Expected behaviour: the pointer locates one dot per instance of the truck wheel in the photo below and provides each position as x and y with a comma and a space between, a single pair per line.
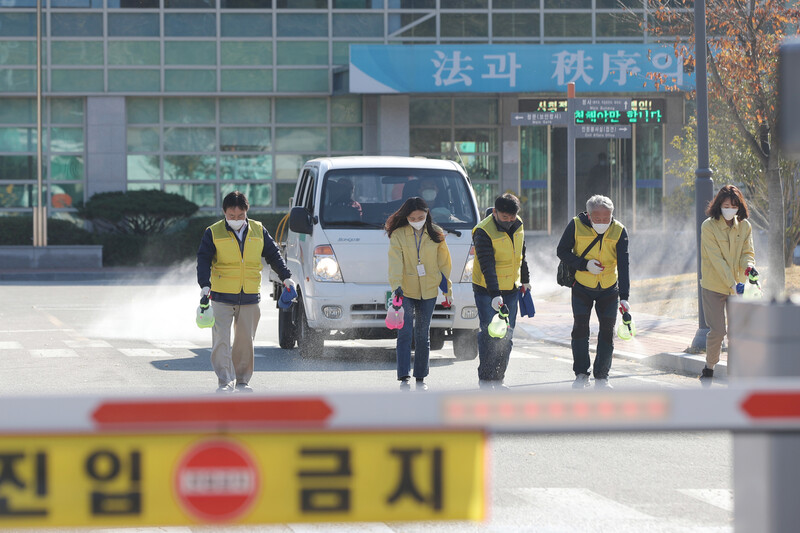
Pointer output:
309, 341
465, 344
437, 339
287, 331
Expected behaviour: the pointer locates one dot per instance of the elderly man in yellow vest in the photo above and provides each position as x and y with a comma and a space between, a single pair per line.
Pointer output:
595, 245
499, 273
229, 272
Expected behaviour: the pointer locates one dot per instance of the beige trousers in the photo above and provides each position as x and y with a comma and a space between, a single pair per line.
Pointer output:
234, 363
714, 311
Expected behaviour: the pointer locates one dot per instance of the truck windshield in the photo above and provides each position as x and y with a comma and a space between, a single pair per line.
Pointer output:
364, 198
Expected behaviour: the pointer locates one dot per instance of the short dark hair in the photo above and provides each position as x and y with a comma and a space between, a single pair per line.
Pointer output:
507, 203
732, 192
235, 199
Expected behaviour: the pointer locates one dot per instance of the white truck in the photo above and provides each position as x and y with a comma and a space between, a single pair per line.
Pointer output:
337, 250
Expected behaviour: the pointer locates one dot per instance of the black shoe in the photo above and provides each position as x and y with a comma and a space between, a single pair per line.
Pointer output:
421, 384
404, 383
707, 373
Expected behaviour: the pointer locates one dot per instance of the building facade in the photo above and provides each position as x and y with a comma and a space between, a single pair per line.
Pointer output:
201, 97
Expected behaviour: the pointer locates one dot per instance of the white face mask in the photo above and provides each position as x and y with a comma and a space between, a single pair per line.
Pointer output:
236, 225
429, 195
417, 225
729, 212
600, 228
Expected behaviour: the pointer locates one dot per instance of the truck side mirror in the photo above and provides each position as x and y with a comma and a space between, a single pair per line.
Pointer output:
300, 220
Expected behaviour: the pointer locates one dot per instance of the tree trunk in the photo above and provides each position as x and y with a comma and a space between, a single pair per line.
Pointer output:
776, 279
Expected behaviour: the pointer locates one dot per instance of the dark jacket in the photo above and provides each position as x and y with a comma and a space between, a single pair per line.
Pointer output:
484, 251
206, 253
567, 244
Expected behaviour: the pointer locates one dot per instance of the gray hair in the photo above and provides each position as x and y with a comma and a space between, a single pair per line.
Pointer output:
598, 200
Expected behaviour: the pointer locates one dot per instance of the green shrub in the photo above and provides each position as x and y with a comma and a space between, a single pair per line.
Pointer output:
18, 230
148, 212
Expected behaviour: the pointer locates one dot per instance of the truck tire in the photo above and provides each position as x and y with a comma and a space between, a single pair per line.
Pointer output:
437, 339
309, 341
465, 344
287, 330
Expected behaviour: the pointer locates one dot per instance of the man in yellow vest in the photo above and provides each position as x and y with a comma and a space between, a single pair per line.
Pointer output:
601, 280
499, 273
229, 273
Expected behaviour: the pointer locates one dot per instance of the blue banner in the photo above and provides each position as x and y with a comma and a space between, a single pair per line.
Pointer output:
482, 68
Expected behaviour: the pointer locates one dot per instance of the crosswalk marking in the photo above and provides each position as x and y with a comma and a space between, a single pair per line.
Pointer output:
722, 498
10, 345
54, 352
146, 352
174, 344
564, 502
87, 343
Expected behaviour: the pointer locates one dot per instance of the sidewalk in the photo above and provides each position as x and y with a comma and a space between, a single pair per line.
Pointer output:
660, 341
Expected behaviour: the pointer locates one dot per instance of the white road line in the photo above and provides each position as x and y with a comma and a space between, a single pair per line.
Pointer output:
564, 501
174, 344
146, 352
722, 498
10, 345
87, 343
54, 352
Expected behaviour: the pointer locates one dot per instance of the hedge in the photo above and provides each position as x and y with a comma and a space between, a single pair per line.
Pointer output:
18, 231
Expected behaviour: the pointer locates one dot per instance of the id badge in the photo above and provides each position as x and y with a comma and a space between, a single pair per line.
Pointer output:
420, 270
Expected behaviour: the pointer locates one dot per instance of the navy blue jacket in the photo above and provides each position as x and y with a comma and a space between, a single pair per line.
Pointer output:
206, 253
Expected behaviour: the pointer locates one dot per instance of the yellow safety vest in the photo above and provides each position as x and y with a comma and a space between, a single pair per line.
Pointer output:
231, 270
607, 254
507, 255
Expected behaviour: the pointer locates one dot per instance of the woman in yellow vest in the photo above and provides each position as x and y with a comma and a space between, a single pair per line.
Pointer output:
602, 281
229, 273
726, 259
418, 262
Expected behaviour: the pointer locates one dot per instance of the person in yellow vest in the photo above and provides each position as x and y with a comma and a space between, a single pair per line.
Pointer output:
602, 281
727, 257
229, 273
499, 273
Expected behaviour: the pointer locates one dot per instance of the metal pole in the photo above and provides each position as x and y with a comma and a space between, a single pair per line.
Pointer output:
39, 218
570, 151
704, 187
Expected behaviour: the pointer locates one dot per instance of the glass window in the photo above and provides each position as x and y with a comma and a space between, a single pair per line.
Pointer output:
517, 4
133, 25
66, 168
18, 139
567, 25
301, 110
567, 4
77, 52
423, 111
18, 52
202, 195
302, 4
421, 28
143, 140
65, 195
66, 110
246, 25
463, 4
302, 52
341, 50
245, 139
66, 139
142, 110
19, 3
283, 192
430, 140
245, 167
301, 25
134, 53
76, 3
190, 53
16, 167
144, 167
257, 194
246, 52
18, 196
132, 186
287, 166
357, 25
357, 4
133, 4
189, 110
18, 24
485, 194
247, 80
477, 140
190, 167
189, 139
303, 81
246, 4
17, 80
464, 25
76, 24
190, 25
617, 4
305, 139
190, 81
475, 111
346, 109
244, 110
190, 4
515, 24
75, 81
18, 111
617, 25
346, 139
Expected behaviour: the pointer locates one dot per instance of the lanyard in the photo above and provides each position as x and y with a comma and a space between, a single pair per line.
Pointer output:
417, 244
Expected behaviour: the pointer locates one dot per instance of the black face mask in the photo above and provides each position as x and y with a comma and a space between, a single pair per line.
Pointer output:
504, 225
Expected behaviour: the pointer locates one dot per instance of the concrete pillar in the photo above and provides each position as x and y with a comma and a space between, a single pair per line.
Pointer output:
371, 109
509, 146
766, 471
106, 168
393, 125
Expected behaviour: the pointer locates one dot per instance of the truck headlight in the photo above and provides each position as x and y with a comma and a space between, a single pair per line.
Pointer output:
466, 276
326, 267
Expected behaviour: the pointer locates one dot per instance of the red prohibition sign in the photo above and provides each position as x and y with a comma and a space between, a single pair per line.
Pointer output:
217, 481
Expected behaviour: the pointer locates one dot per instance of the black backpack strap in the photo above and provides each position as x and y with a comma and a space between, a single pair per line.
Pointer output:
586, 251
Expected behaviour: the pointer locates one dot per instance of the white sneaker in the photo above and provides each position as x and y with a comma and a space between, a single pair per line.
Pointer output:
222, 389
602, 383
581, 381
243, 387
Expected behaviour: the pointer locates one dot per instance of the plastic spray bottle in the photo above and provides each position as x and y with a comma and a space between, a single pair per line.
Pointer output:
395, 314
752, 289
498, 327
205, 313
627, 329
